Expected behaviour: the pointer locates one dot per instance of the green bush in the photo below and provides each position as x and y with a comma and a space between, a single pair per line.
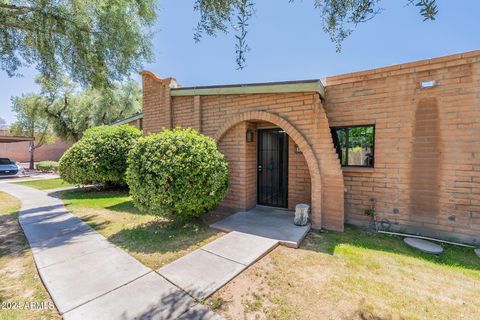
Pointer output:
178, 172
46, 166
100, 156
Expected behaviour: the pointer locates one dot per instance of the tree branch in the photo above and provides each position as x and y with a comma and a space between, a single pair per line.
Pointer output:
42, 138
23, 9
16, 26
46, 13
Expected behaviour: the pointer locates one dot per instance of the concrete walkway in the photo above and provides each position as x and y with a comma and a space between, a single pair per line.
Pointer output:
28, 177
252, 235
268, 222
87, 276
209, 268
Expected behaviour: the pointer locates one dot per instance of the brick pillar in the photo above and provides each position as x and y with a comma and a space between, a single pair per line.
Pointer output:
197, 113
331, 188
157, 109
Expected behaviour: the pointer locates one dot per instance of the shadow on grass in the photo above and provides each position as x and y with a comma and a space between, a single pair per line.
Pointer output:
369, 315
327, 242
111, 199
90, 220
126, 206
163, 235
93, 193
118, 199
158, 236
12, 239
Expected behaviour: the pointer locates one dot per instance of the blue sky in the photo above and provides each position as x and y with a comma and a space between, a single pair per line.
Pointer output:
287, 43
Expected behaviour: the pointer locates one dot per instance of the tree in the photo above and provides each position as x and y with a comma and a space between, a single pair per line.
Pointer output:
71, 111
95, 42
339, 18
31, 122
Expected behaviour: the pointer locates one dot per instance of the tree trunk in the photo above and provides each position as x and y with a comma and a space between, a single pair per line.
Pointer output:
31, 149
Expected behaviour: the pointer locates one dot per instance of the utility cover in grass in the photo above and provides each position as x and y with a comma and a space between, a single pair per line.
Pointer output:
477, 251
424, 245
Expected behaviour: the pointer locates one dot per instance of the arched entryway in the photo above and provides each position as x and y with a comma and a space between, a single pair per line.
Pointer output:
243, 158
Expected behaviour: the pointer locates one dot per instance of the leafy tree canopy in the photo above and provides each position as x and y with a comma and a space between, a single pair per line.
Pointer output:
95, 42
31, 121
71, 111
31, 118
360, 137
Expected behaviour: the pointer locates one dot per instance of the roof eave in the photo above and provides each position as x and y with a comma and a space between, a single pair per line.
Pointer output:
127, 120
307, 86
13, 139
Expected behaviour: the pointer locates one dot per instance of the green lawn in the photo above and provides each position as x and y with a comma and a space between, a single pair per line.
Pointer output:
152, 239
45, 184
355, 275
19, 281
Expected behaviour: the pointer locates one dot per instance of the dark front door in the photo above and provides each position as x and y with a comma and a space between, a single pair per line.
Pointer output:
272, 189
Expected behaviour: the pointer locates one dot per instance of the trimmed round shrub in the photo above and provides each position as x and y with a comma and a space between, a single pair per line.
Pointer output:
100, 156
177, 172
46, 166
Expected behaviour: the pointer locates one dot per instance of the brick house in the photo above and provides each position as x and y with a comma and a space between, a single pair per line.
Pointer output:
403, 139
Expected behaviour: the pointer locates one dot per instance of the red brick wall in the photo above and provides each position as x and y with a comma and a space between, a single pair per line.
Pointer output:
241, 157
137, 124
299, 185
250, 165
427, 156
182, 108
156, 103
18, 151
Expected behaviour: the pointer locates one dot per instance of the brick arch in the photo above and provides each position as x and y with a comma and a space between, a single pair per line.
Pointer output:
298, 138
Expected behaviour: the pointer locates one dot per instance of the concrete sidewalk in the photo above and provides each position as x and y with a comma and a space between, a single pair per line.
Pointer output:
209, 268
86, 275
28, 177
252, 235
